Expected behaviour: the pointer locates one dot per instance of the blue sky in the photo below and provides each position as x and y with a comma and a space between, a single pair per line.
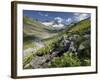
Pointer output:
62, 17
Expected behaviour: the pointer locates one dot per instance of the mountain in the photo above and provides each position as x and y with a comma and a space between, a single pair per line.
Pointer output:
47, 23
54, 24
79, 27
35, 28
69, 48
42, 30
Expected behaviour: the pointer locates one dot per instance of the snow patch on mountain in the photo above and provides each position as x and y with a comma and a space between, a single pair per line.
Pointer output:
54, 25
47, 23
57, 23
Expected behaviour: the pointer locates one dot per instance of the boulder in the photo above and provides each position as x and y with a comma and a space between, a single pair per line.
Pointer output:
39, 62
74, 37
72, 47
87, 36
55, 53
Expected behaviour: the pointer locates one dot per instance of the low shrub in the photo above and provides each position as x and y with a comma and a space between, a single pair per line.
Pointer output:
66, 60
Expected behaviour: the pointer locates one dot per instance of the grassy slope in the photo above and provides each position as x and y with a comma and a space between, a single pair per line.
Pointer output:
66, 60
81, 26
33, 27
78, 27
32, 30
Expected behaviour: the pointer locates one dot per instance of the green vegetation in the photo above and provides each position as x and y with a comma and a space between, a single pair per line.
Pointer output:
66, 60
81, 26
28, 44
49, 47
35, 28
27, 59
53, 43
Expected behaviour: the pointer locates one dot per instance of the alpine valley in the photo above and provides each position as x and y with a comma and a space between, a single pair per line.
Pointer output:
51, 44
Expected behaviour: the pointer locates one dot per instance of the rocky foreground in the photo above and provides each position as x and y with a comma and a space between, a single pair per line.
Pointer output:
73, 44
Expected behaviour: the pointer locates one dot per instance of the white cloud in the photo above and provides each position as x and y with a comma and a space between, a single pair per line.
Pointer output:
80, 16
59, 25
68, 20
58, 19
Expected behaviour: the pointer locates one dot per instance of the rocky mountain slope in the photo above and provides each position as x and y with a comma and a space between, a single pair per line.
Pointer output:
68, 48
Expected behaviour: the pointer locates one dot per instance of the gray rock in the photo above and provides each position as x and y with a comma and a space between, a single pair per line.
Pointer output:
40, 62
72, 47
74, 37
54, 54
87, 36
81, 47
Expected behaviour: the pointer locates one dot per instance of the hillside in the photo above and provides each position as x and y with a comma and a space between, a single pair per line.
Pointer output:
35, 28
81, 26
33, 32
77, 28
70, 47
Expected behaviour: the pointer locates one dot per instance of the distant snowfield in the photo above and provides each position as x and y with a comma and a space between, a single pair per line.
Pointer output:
47, 23
58, 25
52, 24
